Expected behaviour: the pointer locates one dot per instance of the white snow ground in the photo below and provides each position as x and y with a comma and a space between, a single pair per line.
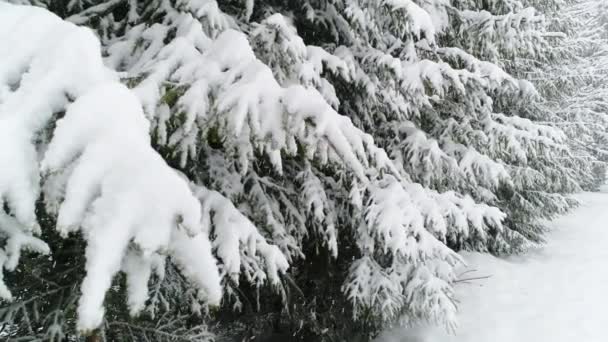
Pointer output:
558, 293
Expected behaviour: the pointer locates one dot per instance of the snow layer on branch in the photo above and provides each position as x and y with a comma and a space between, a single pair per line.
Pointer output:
416, 282
491, 36
105, 179
422, 23
229, 88
408, 226
239, 246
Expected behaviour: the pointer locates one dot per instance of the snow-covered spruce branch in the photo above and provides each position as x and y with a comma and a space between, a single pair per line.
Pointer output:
100, 161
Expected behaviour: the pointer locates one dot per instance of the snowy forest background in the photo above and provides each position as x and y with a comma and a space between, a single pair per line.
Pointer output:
190, 170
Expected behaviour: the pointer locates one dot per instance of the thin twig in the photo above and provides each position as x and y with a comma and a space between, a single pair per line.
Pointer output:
470, 279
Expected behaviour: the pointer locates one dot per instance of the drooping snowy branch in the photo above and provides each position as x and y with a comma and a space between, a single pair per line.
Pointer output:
129, 205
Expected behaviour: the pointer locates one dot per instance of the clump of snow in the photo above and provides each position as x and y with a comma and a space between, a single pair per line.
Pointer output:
104, 178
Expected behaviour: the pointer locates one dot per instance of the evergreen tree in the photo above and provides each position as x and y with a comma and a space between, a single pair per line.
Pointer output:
574, 87
315, 164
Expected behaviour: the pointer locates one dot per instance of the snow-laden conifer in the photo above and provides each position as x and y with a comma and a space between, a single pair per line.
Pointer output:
335, 153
